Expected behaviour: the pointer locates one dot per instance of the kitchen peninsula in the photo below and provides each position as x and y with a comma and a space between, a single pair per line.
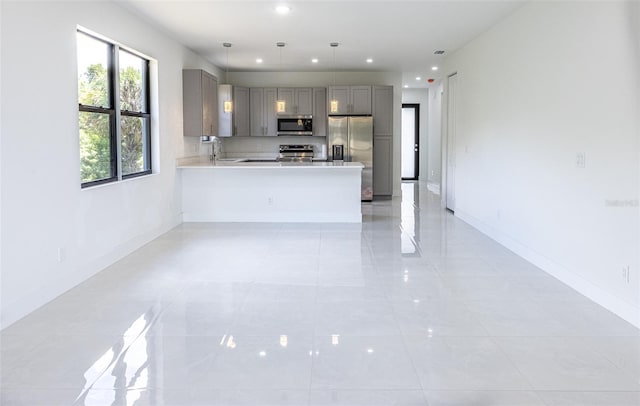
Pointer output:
237, 191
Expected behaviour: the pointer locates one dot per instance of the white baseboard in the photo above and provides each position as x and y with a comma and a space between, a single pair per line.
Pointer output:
31, 301
623, 309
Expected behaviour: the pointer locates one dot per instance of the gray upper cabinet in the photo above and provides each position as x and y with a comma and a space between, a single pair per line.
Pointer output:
298, 100
287, 94
199, 103
341, 95
382, 110
263, 111
351, 99
360, 100
304, 101
241, 111
320, 111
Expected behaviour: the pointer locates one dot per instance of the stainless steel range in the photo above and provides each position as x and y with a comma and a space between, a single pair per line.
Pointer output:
296, 153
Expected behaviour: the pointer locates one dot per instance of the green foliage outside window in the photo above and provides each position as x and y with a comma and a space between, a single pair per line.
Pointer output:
95, 127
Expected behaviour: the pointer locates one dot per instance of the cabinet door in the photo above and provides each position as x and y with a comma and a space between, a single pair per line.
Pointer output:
340, 94
270, 118
213, 83
192, 106
304, 101
360, 100
241, 111
287, 94
199, 103
256, 96
207, 103
382, 166
320, 111
383, 110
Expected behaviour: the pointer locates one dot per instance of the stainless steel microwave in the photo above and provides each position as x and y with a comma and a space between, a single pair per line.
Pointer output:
295, 125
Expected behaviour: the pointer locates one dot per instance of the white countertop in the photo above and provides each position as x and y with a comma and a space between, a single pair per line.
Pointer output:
239, 163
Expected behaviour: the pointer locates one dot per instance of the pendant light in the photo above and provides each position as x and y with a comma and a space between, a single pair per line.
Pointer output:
281, 105
333, 103
228, 104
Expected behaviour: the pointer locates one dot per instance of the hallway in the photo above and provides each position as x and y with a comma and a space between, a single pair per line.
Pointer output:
412, 307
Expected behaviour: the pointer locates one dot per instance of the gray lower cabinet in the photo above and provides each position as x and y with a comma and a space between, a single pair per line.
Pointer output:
263, 111
199, 103
320, 111
382, 166
241, 111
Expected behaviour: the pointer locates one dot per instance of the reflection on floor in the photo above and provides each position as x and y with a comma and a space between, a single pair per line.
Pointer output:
411, 307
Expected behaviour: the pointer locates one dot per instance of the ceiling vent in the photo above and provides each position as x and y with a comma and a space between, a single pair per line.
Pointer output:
438, 52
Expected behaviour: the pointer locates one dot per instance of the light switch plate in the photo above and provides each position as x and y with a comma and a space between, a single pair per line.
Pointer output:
581, 159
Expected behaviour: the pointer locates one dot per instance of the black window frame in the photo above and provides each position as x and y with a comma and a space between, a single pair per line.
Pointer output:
144, 114
115, 113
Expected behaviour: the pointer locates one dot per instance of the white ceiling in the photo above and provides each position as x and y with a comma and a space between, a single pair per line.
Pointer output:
399, 36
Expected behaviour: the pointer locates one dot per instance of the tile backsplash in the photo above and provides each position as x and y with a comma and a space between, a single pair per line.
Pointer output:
267, 147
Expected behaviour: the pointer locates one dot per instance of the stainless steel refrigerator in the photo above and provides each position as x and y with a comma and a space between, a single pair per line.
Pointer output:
353, 136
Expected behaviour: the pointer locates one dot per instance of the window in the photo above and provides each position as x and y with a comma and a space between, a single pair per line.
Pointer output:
114, 118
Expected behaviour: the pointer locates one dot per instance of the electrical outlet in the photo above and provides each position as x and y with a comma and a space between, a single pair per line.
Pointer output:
625, 273
270, 201
581, 159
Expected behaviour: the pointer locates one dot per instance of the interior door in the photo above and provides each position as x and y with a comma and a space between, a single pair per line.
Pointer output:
410, 141
451, 142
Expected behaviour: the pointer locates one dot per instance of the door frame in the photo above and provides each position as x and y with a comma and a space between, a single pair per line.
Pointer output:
416, 166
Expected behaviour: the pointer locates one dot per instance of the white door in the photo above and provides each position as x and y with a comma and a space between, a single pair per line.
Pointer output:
451, 142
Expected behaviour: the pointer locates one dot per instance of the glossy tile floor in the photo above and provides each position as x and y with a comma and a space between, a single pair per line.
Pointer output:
413, 307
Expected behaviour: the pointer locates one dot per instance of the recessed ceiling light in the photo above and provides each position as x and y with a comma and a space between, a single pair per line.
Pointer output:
369, 60
259, 60
434, 68
314, 60
282, 9
418, 78
406, 86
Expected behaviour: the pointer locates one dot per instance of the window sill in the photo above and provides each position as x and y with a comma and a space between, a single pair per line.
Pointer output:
119, 182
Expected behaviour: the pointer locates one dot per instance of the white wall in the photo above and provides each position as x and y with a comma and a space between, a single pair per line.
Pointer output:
324, 79
552, 80
43, 207
434, 176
